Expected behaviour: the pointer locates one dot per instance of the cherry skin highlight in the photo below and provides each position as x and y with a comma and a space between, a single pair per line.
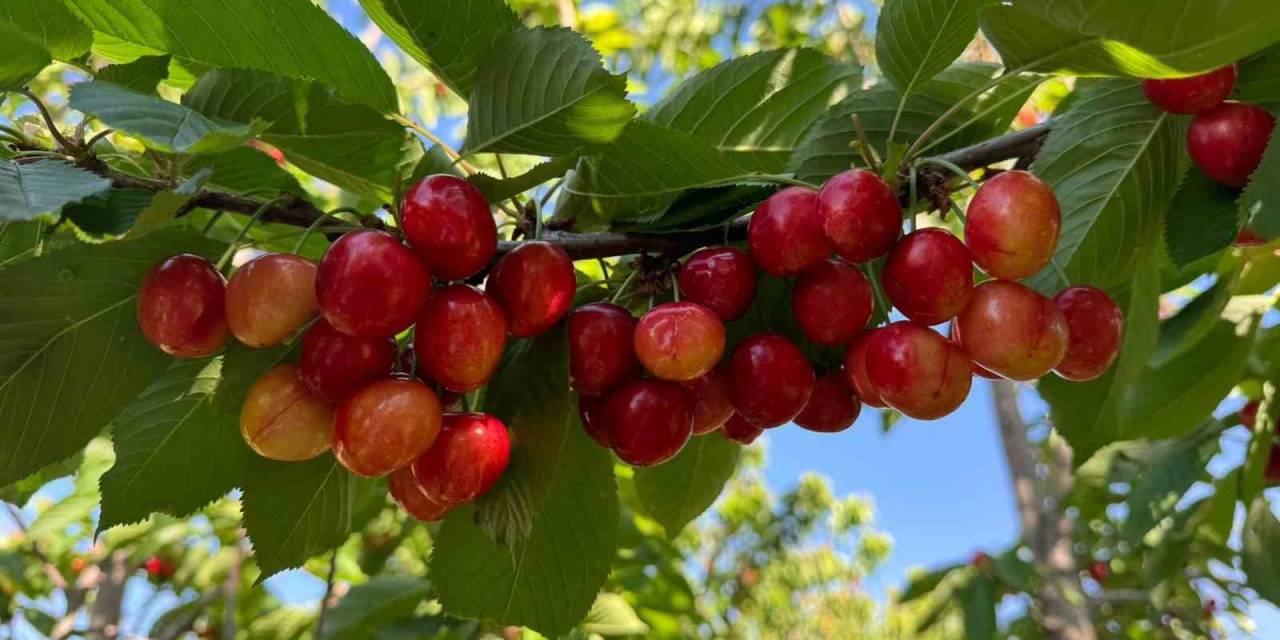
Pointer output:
649, 421
711, 404
929, 276
1095, 327
832, 302
270, 297
459, 338
722, 279
591, 412
601, 349
369, 284
917, 371
449, 225
770, 380
832, 407
785, 233
1228, 142
385, 426
182, 309
855, 370
1012, 331
404, 489
1013, 224
281, 420
679, 341
860, 214
1194, 94
738, 430
535, 284
466, 460
334, 365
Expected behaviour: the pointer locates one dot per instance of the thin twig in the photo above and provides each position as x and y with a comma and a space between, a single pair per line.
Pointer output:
63, 143
453, 154
328, 592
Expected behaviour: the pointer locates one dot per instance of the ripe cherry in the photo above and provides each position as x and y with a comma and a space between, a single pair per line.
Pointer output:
158, 568
928, 276
385, 426
770, 380
785, 233
855, 370
1272, 473
722, 279
981, 561
832, 302
679, 341
832, 407
535, 284
1012, 331
459, 338
1013, 224
281, 419
270, 297
1095, 327
450, 400
1099, 570
1248, 238
370, 285
601, 348
1249, 414
1228, 141
1193, 94
409, 495
740, 431
860, 214
449, 225
181, 307
591, 412
466, 460
335, 365
649, 421
917, 371
711, 405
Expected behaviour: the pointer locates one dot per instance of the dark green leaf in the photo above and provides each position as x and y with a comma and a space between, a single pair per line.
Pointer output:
176, 621
499, 189
1156, 491
50, 23
1260, 203
19, 492
21, 58
701, 209
1259, 78
917, 39
1203, 219
108, 214
78, 506
924, 583
19, 240
141, 75
162, 125
28, 191
678, 491
374, 605
1191, 324
611, 616
1260, 550
1220, 514
434, 161
979, 602
245, 169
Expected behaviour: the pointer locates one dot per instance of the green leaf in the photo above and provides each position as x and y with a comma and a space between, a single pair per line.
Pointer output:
291, 38
245, 169
142, 75
1191, 324
1156, 491
1260, 550
176, 621
449, 37
678, 491
917, 39
28, 191
160, 124
1260, 204
21, 58
374, 605
78, 506
19, 240
56, 28
108, 214
1259, 78
979, 601
499, 189
1202, 220
925, 582
1220, 514
73, 355
19, 492
611, 616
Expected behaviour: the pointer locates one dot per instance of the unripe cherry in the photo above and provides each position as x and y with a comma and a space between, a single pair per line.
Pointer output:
929, 276
832, 302
601, 347
711, 404
1012, 330
270, 298
722, 279
1013, 224
649, 421
535, 285
459, 338
738, 430
1193, 94
281, 420
1095, 327
335, 365
785, 233
369, 284
855, 370
1228, 141
466, 460
679, 341
770, 380
404, 489
917, 371
449, 225
832, 407
181, 307
385, 426
860, 215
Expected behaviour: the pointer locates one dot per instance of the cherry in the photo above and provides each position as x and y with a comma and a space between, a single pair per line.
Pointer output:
860, 214
770, 380
711, 405
929, 276
591, 411
679, 341
158, 568
1095, 327
181, 307
785, 233
981, 560
449, 225
601, 350
335, 365
270, 297
855, 370
1249, 414
385, 426
370, 285
1248, 238
407, 493
1272, 473
1193, 94
1099, 570
535, 284
649, 421
832, 407
1228, 141
466, 460
78, 564
1012, 331
832, 302
740, 431
917, 371
722, 279
1013, 224
459, 338
281, 420
450, 400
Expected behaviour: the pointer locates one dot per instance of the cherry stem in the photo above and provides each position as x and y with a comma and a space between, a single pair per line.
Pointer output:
63, 142
953, 168
625, 283
302, 241
257, 215
675, 288
933, 129
604, 268
864, 145
955, 208
915, 177
467, 167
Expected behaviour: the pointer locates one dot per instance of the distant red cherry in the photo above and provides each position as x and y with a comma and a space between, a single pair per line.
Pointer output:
335, 365
1013, 224
1013, 331
860, 214
1095, 328
785, 233
711, 405
459, 338
679, 341
917, 371
832, 302
770, 380
369, 284
1249, 414
649, 421
1249, 238
980, 560
740, 431
1193, 94
450, 226
601, 347
385, 426
182, 308
591, 412
722, 279
1272, 473
928, 276
407, 493
466, 460
832, 407
535, 284
1099, 570
78, 564
158, 568
1228, 141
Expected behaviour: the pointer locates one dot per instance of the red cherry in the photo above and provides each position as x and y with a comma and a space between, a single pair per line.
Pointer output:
785, 233
334, 365
722, 279
449, 224
1013, 331
855, 370
980, 560
711, 405
981, 372
770, 380
1013, 224
270, 297
384, 426
158, 568
370, 285
281, 419
1228, 141
1193, 94
1099, 570
78, 564
649, 421
929, 276
740, 431
679, 341
832, 407
860, 214
460, 337
1095, 326
601, 351
466, 460
1272, 473
407, 493
1249, 238
535, 284
1249, 414
832, 302
917, 371
591, 411
181, 307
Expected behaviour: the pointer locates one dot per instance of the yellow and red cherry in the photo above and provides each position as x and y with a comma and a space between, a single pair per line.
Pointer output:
917, 371
855, 370
270, 298
282, 420
679, 341
459, 338
1095, 328
722, 279
335, 365
1193, 94
449, 224
785, 233
832, 302
466, 460
770, 380
649, 421
1012, 331
371, 285
832, 406
601, 348
860, 215
535, 284
1013, 224
182, 307
385, 426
